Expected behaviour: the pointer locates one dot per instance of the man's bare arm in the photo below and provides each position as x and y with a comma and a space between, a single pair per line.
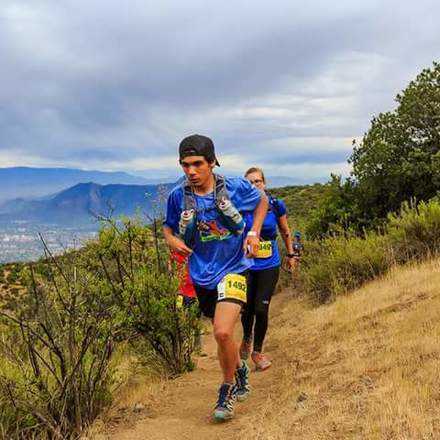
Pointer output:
175, 243
252, 240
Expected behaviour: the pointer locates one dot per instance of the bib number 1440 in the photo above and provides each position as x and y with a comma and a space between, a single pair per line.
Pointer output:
264, 249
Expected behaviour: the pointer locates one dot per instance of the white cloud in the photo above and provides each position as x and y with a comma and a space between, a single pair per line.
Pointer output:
100, 85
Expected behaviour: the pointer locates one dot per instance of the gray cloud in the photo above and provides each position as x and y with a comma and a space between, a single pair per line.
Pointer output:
101, 84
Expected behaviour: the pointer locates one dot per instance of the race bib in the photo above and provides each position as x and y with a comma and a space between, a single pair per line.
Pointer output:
232, 286
264, 249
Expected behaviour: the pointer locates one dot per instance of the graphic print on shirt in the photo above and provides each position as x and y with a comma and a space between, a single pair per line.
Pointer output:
212, 230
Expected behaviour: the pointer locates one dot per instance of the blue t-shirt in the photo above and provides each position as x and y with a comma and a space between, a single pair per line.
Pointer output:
216, 251
269, 233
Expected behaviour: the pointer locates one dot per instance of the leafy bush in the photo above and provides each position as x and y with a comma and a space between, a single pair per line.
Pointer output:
415, 232
167, 332
300, 201
59, 335
133, 262
340, 263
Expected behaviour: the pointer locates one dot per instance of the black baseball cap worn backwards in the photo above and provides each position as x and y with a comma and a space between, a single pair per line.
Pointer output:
197, 145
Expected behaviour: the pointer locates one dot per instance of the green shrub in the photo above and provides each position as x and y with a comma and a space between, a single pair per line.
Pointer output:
59, 335
415, 232
55, 375
338, 264
133, 263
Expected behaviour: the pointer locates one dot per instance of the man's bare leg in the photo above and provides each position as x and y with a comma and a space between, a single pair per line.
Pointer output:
226, 316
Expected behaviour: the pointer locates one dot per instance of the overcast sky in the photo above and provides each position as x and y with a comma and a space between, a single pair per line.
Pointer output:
285, 85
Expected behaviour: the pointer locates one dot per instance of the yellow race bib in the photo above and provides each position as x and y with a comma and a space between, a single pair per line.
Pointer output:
232, 286
264, 249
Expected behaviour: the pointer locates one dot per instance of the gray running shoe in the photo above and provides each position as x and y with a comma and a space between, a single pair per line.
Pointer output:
224, 409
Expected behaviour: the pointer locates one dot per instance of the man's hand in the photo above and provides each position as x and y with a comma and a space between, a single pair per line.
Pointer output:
178, 245
252, 241
250, 246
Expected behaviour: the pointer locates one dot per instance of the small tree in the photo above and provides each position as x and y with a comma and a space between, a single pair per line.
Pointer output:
336, 209
398, 160
399, 157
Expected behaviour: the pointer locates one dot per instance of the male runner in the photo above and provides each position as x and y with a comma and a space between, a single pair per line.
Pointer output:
204, 221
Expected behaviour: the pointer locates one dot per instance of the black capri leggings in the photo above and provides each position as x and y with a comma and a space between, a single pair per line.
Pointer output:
261, 287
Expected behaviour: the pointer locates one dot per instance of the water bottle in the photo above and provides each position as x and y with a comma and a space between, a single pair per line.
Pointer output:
231, 216
187, 225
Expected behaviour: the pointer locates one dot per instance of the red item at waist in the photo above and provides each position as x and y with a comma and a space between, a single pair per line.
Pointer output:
186, 287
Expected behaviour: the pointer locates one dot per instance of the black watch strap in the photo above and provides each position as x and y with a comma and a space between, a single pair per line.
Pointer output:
290, 255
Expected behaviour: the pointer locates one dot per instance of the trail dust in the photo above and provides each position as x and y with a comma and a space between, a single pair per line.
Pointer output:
366, 366
183, 407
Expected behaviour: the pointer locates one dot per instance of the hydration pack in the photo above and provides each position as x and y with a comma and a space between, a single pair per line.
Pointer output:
229, 214
274, 206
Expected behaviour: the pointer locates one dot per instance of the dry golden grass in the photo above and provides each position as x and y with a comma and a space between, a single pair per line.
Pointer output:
136, 394
364, 367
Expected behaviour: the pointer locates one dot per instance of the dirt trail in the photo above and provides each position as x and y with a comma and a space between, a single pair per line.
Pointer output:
183, 412
363, 367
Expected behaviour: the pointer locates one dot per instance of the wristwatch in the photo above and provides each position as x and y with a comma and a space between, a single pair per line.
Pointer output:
252, 234
290, 255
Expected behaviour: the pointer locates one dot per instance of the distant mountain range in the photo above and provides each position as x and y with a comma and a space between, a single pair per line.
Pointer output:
82, 203
24, 182
66, 196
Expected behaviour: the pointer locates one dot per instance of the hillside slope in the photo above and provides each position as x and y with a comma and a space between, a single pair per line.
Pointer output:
364, 367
